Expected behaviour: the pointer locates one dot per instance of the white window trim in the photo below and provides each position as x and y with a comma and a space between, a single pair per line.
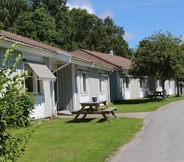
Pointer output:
81, 81
102, 82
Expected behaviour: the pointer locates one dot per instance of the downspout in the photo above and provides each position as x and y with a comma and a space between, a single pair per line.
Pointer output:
109, 85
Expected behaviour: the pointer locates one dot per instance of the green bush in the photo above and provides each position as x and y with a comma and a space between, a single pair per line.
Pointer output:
20, 114
16, 104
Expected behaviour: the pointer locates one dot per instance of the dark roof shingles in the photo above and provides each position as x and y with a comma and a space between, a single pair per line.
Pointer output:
112, 61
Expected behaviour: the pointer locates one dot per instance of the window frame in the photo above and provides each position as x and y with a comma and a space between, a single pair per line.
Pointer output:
102, 83
84, 81
37, 85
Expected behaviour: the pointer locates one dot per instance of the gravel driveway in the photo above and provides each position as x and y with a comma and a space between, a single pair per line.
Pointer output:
160, 140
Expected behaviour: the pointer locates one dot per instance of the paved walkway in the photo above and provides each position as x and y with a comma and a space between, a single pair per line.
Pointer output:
160, 140
67, 114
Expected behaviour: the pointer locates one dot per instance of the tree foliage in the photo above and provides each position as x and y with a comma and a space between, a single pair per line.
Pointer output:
16, 104
42, 26
158, 56
52, 22
9, 11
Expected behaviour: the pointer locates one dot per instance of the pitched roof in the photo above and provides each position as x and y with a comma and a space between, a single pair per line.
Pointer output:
28, 41
102, 58
80, 54
98, 58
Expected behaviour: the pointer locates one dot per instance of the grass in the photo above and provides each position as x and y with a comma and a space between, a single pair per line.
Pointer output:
91, 139
143, 105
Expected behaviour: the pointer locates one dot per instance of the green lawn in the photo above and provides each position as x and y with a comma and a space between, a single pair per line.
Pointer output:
143, 105
87, 140
91, 139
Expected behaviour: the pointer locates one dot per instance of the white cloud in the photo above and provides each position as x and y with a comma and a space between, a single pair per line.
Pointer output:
83, 4
129, 36
106, 14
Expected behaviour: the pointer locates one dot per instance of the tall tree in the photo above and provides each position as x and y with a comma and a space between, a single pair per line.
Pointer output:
9, 11
179, 68
157, 56
97, 34
37, 25
83, 24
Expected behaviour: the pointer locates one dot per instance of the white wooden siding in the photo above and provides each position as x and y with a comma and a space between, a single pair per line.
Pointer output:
38, 112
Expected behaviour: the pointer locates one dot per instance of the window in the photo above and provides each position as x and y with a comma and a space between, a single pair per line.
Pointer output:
141, 82
102, 83
160, 83
29, 83
32, 83
126, 81
83, 81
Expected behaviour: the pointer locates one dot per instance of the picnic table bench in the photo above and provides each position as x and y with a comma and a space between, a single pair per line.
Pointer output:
94, 108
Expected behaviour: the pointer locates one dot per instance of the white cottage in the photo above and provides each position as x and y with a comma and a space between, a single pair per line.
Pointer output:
121, 84
39, 60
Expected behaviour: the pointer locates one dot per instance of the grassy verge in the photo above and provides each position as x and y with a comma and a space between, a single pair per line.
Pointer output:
91, 140
143, 105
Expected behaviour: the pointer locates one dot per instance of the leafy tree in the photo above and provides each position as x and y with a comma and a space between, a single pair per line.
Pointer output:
96, 34
9, 11
179, 68
157, 56
37, 25
83, 25
51, 22
15, 107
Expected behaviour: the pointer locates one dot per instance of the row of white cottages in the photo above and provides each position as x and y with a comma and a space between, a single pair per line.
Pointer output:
61, 79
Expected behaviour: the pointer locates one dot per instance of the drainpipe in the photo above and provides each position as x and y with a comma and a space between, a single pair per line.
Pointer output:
109, 85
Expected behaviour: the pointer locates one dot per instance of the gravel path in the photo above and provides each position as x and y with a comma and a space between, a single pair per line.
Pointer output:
161, 138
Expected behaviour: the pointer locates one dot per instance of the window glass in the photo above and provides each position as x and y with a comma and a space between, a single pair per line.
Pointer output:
29, 83
32, 83
125, 81
102, 83
84, 82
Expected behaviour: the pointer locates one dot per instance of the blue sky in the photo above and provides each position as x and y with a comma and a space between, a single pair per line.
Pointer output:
139, 18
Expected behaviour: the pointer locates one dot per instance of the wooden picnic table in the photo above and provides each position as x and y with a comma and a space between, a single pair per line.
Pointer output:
154, 94
91, 107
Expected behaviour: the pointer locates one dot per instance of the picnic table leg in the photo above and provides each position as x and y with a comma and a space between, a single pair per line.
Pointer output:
84, 116
105, 117
113, 114
76, 116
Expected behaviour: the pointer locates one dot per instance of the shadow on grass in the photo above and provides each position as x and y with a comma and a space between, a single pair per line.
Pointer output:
137, 101
80, 120
87, 120
102, 120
